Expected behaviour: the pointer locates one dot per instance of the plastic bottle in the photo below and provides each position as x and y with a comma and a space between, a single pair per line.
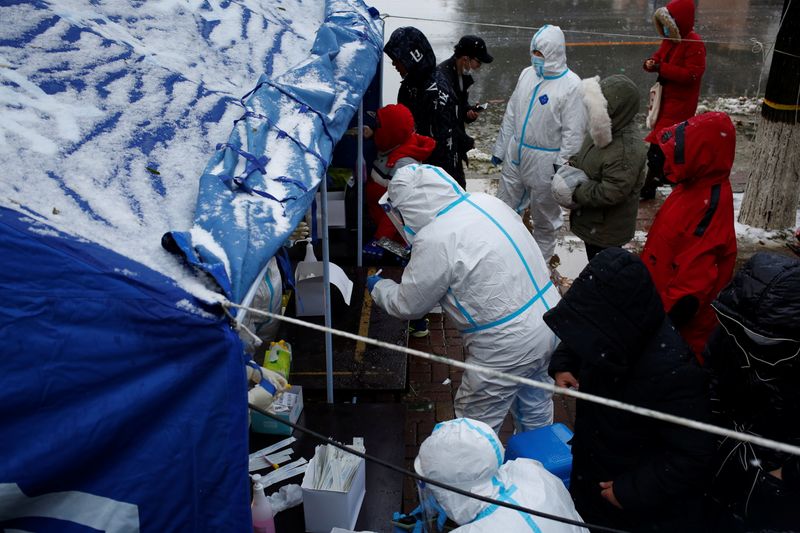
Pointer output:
310, 257
263, 521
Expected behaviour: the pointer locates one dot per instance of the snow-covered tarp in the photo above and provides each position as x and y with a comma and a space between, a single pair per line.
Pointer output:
111, 111
122, 388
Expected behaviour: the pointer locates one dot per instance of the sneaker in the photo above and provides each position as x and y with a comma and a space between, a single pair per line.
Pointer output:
418, 328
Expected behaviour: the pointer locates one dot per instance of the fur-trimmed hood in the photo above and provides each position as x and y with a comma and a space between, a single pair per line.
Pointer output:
611, 104
677, 17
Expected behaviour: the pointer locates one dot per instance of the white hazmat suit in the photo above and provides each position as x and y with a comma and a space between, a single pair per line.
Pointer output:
468, 455
472, 254
544, 124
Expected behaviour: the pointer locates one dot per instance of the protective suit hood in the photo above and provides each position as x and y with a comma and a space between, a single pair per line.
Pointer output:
465, 453
549, 40
410, 47
420, 192
699, 149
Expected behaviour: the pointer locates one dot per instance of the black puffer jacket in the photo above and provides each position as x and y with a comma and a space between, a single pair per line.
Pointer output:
754, 355
461, 90
618, 342
427, 93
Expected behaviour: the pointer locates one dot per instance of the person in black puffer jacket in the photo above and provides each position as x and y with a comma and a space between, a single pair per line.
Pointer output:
426, 91
630, 472
754, 355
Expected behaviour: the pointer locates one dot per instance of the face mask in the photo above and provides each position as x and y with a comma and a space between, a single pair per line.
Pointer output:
467, 72
538, 65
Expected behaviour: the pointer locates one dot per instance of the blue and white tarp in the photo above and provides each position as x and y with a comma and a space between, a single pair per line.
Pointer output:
122, 388
260, 184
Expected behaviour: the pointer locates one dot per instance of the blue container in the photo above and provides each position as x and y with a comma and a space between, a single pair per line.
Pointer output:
548, 445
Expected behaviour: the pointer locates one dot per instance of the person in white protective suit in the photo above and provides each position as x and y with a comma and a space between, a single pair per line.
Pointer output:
544, 124
468, 455
473, 255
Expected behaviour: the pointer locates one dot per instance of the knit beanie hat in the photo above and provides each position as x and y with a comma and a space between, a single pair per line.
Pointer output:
394, 126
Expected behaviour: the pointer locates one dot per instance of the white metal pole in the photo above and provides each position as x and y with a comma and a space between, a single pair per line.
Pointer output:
326, 283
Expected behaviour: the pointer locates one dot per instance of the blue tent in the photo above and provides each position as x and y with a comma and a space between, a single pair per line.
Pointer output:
122, 389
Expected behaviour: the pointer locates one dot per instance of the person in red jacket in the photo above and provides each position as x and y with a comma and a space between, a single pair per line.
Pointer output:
691, 247
679, 62
398, 145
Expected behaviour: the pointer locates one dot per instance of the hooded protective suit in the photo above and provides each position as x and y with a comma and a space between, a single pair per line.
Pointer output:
544, 124
467, 454
473, 255
691, 247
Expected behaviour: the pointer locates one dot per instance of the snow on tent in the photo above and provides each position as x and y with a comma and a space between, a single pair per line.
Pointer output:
122, 385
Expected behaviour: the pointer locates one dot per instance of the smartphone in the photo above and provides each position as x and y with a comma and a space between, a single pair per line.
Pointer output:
394, 247
480, 107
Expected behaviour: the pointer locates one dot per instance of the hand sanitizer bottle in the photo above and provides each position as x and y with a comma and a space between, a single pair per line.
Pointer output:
261, 510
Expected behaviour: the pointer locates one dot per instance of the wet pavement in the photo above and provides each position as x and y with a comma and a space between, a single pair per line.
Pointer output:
603, 38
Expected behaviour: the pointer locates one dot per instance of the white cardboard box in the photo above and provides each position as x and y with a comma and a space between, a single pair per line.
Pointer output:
326, 509
264, 424
308, 292
336, 212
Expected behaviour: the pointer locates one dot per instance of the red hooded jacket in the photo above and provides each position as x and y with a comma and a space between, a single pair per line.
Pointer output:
680, 66
396, 139
691, 246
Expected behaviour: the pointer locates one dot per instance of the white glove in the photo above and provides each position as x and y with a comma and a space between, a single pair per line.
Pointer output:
264, 384
564, 183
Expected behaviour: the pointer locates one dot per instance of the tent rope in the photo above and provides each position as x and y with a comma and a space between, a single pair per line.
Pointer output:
642, 411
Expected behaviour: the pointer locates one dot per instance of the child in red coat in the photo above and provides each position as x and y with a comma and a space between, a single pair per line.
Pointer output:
679, 62
398, 145
691, 247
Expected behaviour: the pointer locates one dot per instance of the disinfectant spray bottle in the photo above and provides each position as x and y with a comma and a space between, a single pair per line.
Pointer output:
261, 510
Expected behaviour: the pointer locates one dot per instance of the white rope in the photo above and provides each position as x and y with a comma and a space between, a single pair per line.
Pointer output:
582, 32
239, 326
658, 415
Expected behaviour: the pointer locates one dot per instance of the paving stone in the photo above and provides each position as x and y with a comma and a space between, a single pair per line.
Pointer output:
444, 411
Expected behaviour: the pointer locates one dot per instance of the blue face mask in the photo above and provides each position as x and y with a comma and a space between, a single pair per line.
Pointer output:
538, 65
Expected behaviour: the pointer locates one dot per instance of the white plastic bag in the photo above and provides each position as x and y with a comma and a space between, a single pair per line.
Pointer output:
653, 105
564, 183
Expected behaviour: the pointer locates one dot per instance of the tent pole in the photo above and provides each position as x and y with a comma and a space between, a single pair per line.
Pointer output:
326, 283
360, 183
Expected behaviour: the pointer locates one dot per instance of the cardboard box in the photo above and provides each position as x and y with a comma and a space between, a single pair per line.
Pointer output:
263, 424
309, 288
326, 509
336, 211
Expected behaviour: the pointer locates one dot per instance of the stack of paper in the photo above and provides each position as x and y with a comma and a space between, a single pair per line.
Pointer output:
334, 468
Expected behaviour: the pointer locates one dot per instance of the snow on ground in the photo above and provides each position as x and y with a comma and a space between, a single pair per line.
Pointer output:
732, 106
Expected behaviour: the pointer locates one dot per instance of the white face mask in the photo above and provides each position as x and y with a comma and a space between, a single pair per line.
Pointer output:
467, 72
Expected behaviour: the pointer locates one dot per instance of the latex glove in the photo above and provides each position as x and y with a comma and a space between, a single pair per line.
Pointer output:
262, 394
496, 161
372, 281
564, 183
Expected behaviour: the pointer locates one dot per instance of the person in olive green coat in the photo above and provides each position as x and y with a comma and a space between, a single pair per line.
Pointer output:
613, 158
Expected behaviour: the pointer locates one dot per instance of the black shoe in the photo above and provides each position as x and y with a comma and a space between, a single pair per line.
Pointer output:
647, 194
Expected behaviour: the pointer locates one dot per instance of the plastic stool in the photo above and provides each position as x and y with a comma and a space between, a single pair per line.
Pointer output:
548, 445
